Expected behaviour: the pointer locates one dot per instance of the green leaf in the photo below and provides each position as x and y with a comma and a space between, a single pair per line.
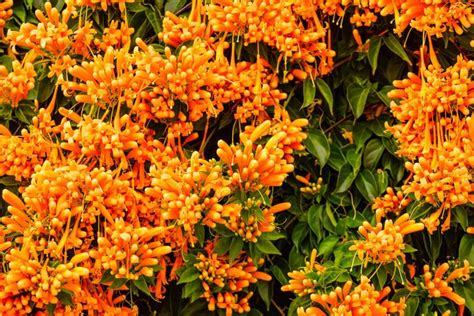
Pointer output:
318, 145
154, 20
466, 248
265, 292
107, 277
361, 134
372, 153
309, 92
191, 288
381, 277
327, 245
117, 283
279, 275
336, 158
189, 275
409, 249
174, 5
394, 45
65, 297
367, 185
326, 93
200, 233
19, 11
222, 245
267, 247
357, 97
412, 306
142, 285
354, 158
300, 231
314, 220
373, 53
382, 94
50, 308
8, 181
235, 248
344, 179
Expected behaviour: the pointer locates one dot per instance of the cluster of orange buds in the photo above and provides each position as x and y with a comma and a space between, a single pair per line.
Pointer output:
253, 88
283, 123
42, 281
95, 139
106, 81
187, 77
311, 188
5, 13
302, 281
277, 24
362, 300
15, 85
189, 191
20, 154
230, 278
129, 251
391, 202
102, 4
438, 286
435, 131
115, 37
251, 167
177, 30
383, 244
50, 35
247, 220
434, 17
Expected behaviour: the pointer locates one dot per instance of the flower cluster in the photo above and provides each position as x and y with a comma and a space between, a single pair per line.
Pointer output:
218, 272
384, 243
5, 13
360, 300
434, 131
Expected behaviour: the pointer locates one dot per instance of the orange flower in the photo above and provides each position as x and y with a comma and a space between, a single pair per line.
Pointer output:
437, 285
362, 300
384, 244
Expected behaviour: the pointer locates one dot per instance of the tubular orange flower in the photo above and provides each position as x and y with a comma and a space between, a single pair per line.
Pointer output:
384, 244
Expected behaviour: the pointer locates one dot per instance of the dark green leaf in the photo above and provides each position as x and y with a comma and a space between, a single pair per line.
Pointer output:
65, 297
327, 245
367, 185
373, 53
326, 93
354, 158
394, 45
235, 248
466, 248
318, 145
222, 245
357, 97
117, 283
314, 220
382, 94
142, 285
412, 306
267, 247
361, 134
279, 275
174, 5
154, 20
309, 92
344, 179
372, 153
265, 292
189, 275
107, 277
